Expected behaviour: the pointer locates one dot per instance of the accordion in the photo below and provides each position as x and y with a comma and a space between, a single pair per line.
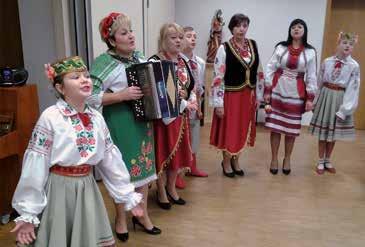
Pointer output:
158, 83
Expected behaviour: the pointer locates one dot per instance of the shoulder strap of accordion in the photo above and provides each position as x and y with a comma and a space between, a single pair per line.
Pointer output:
155, 57
192, 81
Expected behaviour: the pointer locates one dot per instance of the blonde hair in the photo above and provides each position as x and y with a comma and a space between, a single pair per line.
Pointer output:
166, 29
347, 36
121, 20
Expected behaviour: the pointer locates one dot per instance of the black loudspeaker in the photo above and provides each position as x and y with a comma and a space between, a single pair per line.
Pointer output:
13, 77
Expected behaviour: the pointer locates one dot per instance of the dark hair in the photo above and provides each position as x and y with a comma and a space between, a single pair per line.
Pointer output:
58, 80
289, 40
236, 20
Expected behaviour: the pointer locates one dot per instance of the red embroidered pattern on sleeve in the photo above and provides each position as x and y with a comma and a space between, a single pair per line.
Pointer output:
41, 140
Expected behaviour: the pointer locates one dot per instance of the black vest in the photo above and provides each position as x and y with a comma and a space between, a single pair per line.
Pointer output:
238, 73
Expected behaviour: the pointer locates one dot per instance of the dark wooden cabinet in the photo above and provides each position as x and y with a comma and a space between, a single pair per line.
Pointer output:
23, 103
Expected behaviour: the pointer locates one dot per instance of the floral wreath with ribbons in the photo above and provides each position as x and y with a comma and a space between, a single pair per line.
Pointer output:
107, 23
64, 66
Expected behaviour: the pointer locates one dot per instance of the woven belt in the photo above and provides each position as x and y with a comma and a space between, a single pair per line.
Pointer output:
71, 171
333, 86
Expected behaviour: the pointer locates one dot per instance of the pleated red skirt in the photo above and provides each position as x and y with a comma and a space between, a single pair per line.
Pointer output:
238, 125
172, 144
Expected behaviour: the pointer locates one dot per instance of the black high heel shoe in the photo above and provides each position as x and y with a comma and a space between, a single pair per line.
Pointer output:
163, 205
179, 201
286, 171
237, 172
227, 174
122, 236
274, 171
153, 231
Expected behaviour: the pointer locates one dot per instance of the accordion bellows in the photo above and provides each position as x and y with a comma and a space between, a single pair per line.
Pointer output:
158, 83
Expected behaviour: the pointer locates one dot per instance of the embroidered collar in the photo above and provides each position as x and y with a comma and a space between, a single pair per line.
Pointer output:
246, 65
344, 60
188, 59
68, 110
130, 60
193, 62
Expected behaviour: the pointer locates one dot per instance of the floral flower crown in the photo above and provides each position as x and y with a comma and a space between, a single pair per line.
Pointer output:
64, 66
107, 23
347, 36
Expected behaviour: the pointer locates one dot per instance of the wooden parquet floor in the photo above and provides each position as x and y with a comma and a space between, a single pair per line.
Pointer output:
302, 209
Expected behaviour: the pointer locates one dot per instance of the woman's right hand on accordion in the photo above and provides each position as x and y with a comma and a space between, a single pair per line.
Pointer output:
130, 93
183, 94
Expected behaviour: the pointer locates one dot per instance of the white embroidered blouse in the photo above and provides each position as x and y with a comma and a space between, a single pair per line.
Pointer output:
197, 68
60, 138
344, 73
307, 63
217, 88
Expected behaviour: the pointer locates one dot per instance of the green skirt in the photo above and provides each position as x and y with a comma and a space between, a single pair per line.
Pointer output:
324, 123
75, 214
134, 140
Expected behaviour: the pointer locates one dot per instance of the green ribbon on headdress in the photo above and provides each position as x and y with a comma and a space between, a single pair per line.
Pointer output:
67, 65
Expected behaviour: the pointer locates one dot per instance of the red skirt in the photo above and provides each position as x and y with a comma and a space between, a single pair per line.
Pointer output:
238, 124
172, 144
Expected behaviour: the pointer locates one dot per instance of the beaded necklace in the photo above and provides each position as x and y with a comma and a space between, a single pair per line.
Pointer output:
293, 58
244, 50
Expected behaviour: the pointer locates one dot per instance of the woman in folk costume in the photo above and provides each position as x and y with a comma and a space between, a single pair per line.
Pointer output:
339, 81
56, 184
236, 88
172, 137
290, 88
133, 138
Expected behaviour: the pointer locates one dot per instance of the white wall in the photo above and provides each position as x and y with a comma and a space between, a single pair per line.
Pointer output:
39, 46
158, 13
46, 36
38, 27
269, 21
100, 9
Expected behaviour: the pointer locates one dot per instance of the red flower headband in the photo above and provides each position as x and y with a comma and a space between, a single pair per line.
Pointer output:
107, 24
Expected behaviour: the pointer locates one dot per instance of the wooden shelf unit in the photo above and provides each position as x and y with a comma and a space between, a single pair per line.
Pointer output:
23, 102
